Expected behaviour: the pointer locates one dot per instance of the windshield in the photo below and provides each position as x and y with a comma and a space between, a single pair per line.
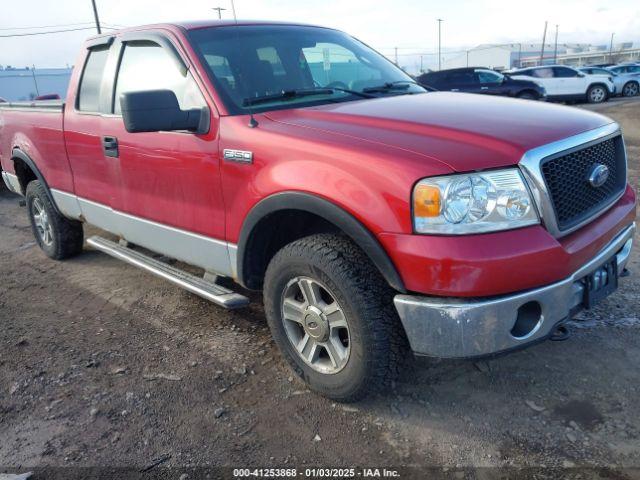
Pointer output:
259, 68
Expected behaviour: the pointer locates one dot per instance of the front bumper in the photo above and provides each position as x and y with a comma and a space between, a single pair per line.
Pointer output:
461, 328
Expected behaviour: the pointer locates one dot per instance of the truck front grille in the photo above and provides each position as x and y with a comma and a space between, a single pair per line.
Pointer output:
573, 198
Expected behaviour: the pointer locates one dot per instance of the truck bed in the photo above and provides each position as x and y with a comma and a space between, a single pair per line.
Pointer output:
37, 129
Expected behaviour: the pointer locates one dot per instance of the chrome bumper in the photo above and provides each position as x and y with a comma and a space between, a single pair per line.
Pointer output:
460, 328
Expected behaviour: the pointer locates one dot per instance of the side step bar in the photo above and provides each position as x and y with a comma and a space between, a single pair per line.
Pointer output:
207, 290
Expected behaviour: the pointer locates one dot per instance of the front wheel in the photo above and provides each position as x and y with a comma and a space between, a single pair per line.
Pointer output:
57, 236
332, 316
597, 94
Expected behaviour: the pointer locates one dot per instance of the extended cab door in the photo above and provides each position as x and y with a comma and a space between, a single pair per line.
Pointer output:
169, 197
96, 177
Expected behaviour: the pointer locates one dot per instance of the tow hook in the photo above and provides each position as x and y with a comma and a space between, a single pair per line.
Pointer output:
560, 334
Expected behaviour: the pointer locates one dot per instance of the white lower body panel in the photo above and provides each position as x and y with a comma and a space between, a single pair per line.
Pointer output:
213, 255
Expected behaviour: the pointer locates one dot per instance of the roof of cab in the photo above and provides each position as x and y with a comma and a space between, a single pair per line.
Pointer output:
197, 24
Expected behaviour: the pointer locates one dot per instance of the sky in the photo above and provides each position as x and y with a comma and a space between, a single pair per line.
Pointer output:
410, 25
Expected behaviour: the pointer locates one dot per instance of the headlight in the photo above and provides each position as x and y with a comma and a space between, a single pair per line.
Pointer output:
473, 203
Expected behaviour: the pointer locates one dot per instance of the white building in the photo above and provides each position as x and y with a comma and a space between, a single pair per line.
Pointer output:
500, 56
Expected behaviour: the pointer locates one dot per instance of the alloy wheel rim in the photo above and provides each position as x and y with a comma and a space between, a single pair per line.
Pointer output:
42, 223
316, 325
597, 94
631, 90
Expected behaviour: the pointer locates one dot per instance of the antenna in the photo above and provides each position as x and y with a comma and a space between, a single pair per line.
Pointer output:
233, 8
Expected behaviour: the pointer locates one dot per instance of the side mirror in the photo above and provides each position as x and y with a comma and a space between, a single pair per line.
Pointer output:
159, 111
581, 75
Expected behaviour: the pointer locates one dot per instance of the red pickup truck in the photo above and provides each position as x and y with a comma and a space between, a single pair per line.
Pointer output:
296, 160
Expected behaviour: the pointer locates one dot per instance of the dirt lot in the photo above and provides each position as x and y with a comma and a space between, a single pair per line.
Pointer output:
104, 365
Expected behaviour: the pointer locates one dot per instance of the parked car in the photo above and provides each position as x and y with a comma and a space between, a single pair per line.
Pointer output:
566, 84
297, 161
482, 80
626, 83
626, 68
2, 100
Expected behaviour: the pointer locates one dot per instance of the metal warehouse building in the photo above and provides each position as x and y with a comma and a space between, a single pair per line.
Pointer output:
503, 56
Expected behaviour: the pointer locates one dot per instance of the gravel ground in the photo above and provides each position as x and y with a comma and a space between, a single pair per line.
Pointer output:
104, 365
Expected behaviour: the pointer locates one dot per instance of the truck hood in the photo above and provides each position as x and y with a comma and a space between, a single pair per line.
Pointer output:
464, 131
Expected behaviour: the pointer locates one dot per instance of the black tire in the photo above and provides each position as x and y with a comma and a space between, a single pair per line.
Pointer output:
528, 95
66, 237
593, 98
376, 337
631, 89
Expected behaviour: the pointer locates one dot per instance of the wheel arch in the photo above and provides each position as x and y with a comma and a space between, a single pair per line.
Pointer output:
259, 224
26, 170
599, 84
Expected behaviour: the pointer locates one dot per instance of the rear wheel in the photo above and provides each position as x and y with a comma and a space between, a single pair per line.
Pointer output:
597, 94
630, 89
57, 236
332, 316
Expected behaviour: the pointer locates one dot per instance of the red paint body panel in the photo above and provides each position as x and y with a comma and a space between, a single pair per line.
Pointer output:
39, 135
364, 156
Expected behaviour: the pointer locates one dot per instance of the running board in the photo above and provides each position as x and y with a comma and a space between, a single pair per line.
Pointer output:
207, 290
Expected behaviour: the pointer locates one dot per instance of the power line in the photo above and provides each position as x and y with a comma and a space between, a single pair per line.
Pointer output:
31, 34
47, 26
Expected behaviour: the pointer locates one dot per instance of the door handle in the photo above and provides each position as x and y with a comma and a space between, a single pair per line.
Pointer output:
484, 88
110, 146
455, 89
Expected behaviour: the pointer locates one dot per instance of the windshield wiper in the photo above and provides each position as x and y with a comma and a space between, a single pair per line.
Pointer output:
301, 92
397, 85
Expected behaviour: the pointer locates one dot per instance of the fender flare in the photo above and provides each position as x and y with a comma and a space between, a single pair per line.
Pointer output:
328, 211
17, 153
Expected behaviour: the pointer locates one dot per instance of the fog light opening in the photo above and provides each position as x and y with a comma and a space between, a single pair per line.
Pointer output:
528, 321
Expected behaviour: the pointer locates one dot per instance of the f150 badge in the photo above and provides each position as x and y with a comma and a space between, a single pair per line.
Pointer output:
238, 156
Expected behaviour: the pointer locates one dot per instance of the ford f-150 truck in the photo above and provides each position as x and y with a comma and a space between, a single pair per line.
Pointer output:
295, 160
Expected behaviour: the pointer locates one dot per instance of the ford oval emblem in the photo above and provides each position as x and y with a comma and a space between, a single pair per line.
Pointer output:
599, 175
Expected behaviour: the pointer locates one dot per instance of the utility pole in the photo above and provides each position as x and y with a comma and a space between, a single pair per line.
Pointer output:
233, 9
544, 39
467, 58
396, 54
520, 55
219, 10
421, 63
35, 80
555, 48
95, 15
611, 49
440, 43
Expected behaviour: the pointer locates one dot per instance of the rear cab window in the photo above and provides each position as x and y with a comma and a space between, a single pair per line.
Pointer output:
91, 81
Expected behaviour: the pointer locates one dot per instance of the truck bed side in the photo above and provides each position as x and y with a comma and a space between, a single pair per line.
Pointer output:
37, 130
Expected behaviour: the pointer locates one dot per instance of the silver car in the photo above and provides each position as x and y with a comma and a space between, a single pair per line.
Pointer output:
627, 83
